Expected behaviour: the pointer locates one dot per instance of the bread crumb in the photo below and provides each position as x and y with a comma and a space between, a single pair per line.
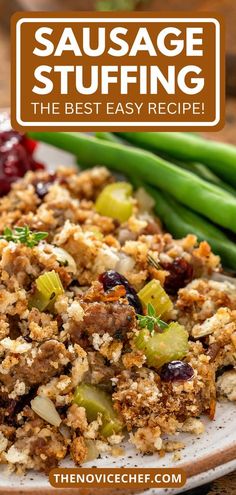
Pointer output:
99, 340
171, 446
193, 425
226, 385
3, 442
14, 456
76, 312
76, 417
177, 456
79, 450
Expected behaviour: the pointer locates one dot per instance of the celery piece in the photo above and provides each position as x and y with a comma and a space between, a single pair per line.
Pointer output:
115, 201
38, 300
97, 401
48, 288
153, 293
161, 348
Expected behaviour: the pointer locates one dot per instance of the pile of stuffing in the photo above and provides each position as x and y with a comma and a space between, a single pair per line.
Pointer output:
73, 379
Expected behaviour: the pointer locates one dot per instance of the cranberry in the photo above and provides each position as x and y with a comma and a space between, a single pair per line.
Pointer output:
42, 187
111, 278
180, 274
29, 144
16, 156
176, 371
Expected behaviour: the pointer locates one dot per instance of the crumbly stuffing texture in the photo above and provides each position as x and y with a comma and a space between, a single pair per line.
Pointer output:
88, 335
226, 385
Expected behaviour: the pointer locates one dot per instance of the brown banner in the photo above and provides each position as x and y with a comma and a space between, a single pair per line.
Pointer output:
136, 71
117, 477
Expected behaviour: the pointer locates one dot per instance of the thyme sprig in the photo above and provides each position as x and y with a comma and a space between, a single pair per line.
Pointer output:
151, 320
23, 235
153, 262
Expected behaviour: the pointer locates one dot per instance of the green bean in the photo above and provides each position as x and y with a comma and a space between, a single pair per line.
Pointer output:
219, 157
108, 136
197, 168
208, 199
180, 222
200, 224
206, 174
202, 171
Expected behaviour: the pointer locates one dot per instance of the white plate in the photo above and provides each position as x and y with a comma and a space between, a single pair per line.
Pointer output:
204, 458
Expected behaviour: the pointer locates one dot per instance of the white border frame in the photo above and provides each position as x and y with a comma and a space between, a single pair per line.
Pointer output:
117, 124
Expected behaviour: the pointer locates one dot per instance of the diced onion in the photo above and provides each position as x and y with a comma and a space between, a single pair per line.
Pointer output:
44, 407
125, 264
65, 431
145, 201
221, 277
92, 450
65, 258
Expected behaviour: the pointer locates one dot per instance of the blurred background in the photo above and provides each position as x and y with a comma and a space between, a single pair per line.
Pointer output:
225, 7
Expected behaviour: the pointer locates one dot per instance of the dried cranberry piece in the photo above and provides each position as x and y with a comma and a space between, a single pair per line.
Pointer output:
176, 371
180, 274
16, 156
134, 300
111, 278
42, 187
29, 144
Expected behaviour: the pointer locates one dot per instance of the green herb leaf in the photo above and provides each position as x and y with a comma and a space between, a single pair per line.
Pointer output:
23, 235
151, 320
153, 262
151, 310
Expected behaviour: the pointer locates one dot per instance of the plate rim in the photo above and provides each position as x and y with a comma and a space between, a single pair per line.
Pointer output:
192, 469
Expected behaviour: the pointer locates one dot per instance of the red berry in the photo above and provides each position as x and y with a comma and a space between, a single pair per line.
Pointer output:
176, 371
180, 274
111, 278
16, 156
